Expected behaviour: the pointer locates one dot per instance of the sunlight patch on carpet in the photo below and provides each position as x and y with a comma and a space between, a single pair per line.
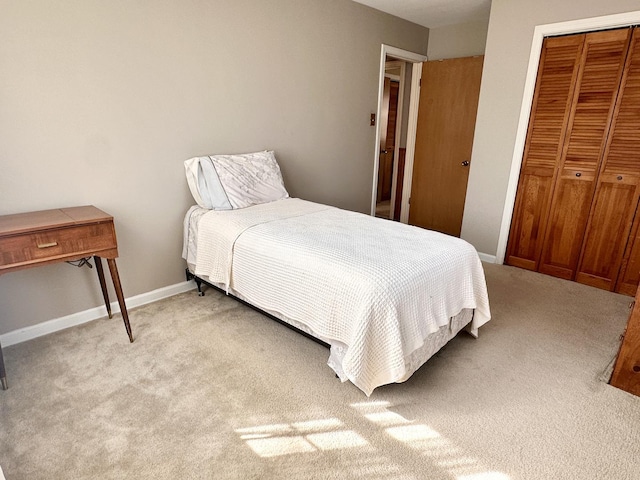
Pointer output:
485, 476
276, 446
337, 440
300, 437
423, 438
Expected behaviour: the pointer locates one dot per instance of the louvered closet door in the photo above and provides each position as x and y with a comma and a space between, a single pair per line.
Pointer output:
557, 73
602, 62
617, 191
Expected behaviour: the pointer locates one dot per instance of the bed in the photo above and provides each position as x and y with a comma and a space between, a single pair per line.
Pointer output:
383, 295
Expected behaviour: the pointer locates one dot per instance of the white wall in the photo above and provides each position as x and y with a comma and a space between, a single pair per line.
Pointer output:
102, 101
509, 40
461, 40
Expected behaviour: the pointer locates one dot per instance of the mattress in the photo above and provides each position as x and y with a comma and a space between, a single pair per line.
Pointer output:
385, 296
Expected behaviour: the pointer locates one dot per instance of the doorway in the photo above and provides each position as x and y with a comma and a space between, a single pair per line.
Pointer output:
423, 147
393, 123
395, 139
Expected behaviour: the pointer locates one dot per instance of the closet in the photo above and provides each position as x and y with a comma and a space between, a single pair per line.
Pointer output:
577, 198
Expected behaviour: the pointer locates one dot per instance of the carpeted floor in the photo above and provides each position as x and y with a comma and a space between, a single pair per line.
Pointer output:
213, 390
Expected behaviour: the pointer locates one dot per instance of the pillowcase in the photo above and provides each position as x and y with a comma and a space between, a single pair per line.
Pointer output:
225, 182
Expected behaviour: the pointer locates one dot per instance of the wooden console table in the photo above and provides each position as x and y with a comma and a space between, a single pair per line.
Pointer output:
61, 235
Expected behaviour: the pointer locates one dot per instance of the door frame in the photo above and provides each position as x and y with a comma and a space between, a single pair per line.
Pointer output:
415, 58
540, 32
398, 133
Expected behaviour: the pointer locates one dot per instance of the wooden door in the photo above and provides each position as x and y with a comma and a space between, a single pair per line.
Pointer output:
626, 372
629, 275
618, 188
579, 220
446, 122
601, 66
552, 101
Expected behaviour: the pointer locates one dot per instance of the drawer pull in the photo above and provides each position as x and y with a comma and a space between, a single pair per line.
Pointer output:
47, 245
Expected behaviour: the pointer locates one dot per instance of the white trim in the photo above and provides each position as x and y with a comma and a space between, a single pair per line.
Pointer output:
485, 257
540, 32
412, 129
398, 137
400, 55
57, 324
376, 154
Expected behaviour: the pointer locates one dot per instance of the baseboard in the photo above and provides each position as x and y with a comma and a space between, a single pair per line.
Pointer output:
485, 257
57, 324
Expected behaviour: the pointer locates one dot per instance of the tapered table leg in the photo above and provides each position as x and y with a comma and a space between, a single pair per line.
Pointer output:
118, 287
3, 373
103, 284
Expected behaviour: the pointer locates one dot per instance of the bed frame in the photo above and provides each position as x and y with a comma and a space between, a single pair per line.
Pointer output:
200, 282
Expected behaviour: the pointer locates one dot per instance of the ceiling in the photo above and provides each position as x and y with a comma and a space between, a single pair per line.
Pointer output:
434, 13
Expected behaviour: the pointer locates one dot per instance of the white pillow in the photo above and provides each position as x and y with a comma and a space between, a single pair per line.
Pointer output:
225, 182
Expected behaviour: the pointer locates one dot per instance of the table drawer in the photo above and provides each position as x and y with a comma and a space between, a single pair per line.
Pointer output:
56, 244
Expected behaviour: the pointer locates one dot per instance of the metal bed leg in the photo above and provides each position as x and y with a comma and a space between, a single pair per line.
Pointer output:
199, 282
199, 285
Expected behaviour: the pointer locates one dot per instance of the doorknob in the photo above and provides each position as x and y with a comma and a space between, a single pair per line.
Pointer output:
465, 163
383, 152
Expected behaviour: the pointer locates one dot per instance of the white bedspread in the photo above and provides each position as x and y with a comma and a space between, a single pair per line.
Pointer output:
372, 287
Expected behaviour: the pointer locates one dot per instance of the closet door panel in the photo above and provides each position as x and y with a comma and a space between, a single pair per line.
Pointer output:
572, 200
533, 194
557, 73
618, 185
602, 63
608, 230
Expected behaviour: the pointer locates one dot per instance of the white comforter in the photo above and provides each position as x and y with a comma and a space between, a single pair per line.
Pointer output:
372, 287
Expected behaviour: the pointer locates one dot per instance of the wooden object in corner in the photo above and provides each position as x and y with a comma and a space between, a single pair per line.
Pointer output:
626, 373
61, 235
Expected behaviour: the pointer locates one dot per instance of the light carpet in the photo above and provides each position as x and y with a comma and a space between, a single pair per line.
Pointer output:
214, 390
